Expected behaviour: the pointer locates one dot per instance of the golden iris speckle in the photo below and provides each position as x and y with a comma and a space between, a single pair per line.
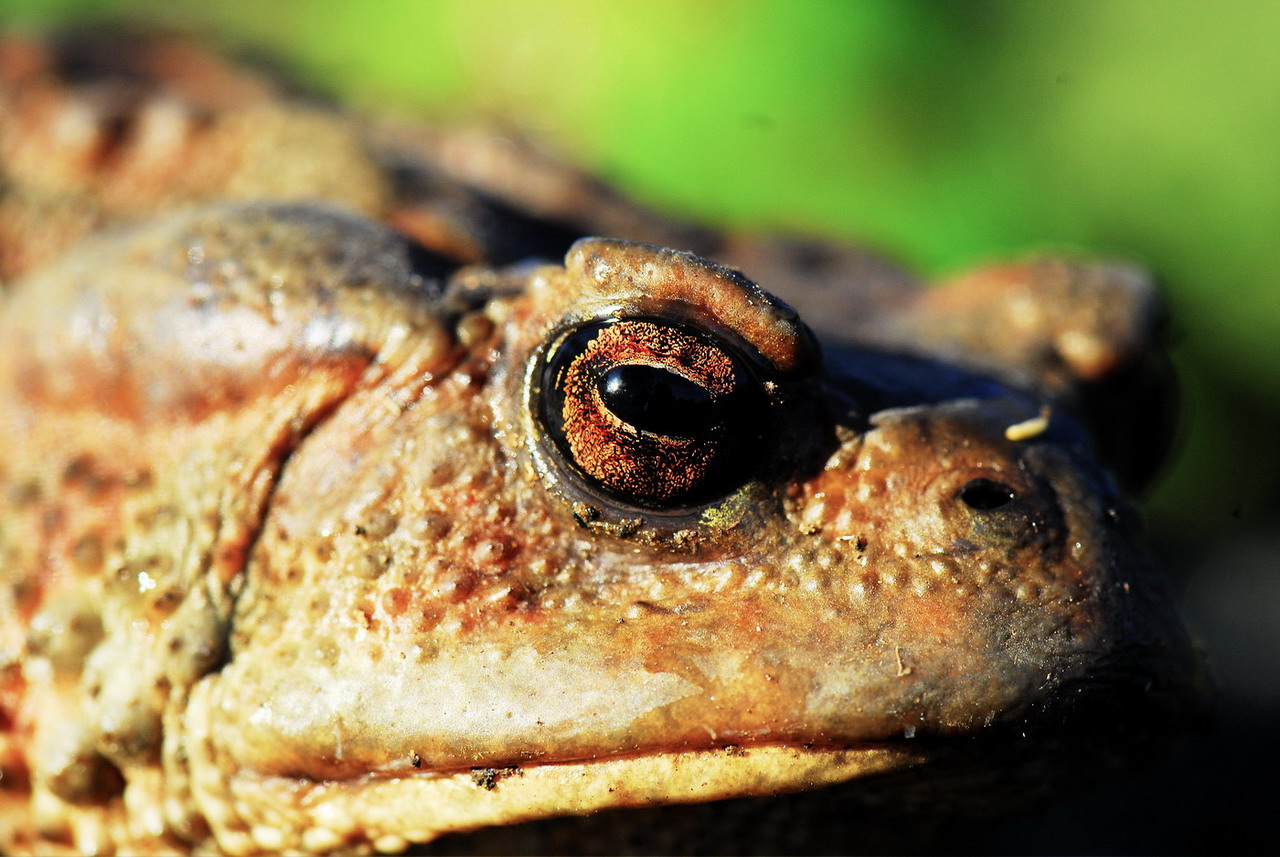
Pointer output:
654, 412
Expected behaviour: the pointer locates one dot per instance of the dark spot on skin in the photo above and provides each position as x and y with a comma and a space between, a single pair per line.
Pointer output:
488, 778
24, 494
650, 607
84, 472
166, 602
584, 514
79, 468
134, 738
115, 132
87, 778
51, 518
523, 598
88, 551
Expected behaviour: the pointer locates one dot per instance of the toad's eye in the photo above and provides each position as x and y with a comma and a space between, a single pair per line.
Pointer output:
654, 412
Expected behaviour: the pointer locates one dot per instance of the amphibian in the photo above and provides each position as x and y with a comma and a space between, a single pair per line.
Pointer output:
351, 494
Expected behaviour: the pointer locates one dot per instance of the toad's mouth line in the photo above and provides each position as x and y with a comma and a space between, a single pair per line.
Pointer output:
488, 772
419, 806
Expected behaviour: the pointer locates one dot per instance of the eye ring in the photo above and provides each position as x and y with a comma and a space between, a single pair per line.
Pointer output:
652, 413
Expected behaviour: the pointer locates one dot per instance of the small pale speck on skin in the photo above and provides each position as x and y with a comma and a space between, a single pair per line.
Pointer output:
390, 843
318, 840
1026, 592
270, 838
236, 842
601, 271
332, 819
147, 817
904, 669
1084, 352
245, 810
487, 554
1028, 429
499, 594
473, 329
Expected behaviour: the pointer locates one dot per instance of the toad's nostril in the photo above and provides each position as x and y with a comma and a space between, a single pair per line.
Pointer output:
984, 494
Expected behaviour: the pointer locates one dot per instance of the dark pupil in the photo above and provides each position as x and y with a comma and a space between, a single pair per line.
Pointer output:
984, 495
658, 401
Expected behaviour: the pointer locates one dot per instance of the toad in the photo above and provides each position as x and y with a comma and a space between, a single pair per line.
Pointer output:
351, 495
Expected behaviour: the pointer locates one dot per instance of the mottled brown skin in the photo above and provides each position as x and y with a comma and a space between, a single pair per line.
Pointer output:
286, 551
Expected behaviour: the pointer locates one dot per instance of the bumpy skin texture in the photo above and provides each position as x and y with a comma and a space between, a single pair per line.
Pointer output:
289, 562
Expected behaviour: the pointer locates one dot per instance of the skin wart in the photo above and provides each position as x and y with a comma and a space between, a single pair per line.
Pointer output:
295, 553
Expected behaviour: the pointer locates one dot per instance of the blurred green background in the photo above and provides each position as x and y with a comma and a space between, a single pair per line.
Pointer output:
944, 133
